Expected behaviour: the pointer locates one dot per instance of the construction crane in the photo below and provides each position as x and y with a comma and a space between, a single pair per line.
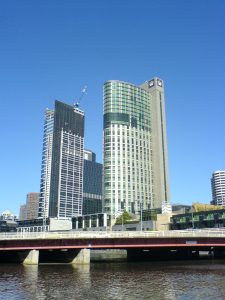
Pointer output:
83, 92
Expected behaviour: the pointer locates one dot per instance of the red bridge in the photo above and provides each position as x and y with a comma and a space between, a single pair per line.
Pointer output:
74, 247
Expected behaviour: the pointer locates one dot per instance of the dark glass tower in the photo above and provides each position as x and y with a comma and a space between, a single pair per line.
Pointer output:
92, 189
62, 163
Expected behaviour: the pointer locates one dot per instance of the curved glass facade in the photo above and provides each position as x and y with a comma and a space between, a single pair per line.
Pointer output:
127, 148
218, 188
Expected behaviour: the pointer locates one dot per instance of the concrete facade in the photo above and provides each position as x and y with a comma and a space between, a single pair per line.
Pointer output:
83, 257
32, 258
23, 212
155, 88
32, 206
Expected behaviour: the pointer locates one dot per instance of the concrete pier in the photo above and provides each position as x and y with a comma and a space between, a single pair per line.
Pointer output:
82, 257
32, 258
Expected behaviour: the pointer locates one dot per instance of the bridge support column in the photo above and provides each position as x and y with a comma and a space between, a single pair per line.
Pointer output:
82, 257
32, 258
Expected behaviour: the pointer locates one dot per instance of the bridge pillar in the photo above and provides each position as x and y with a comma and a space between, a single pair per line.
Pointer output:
32, 258
82, 257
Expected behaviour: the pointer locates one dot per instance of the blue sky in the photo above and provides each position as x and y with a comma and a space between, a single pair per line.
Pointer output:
50, 49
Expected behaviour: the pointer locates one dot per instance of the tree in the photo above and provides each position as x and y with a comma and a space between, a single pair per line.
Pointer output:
125, 218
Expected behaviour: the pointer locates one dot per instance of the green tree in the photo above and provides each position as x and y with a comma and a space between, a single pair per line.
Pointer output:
125, 218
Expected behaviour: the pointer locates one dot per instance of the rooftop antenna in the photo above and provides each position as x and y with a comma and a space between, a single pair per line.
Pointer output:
83, 92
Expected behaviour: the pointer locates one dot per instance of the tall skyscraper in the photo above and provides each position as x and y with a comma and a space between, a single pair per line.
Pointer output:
135, 146
218, 188
46, 164
61, 189
32, 206
92, 185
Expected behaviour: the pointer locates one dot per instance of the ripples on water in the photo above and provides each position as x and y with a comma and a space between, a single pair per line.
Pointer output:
150, 280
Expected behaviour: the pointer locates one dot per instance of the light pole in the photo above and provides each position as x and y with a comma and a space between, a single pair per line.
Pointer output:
44, 217
122, 221
140, 204
192, 215
122, 210
141, 214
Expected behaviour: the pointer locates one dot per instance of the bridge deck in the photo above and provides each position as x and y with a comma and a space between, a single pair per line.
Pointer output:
216, 233
112, 240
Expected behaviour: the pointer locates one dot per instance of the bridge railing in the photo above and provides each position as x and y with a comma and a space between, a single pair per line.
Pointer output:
112, 234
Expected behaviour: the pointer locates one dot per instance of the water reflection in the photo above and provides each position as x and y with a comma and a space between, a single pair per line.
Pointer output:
151, 280
29, 283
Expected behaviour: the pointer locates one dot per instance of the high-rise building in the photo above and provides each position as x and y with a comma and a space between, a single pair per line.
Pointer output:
218, 188
46, 164
61, 189
23, 212
32, 206
92, 184
135, 146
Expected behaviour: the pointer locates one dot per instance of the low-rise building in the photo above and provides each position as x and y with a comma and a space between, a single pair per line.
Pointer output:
197, 220
8, 221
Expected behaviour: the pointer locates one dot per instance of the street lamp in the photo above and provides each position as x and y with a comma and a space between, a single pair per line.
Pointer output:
122, 210
140, 204
122, 221
44, 216
141, 213
192, 216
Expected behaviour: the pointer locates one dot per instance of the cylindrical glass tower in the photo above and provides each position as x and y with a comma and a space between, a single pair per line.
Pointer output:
127, 148
218, 188
135, 147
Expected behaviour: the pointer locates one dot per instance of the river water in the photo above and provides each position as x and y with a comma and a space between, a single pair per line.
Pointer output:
133, 280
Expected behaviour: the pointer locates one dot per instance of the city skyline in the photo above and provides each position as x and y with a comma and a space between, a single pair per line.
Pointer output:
88, 43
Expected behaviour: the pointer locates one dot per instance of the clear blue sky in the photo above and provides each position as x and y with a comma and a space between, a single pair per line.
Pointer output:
50, 49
